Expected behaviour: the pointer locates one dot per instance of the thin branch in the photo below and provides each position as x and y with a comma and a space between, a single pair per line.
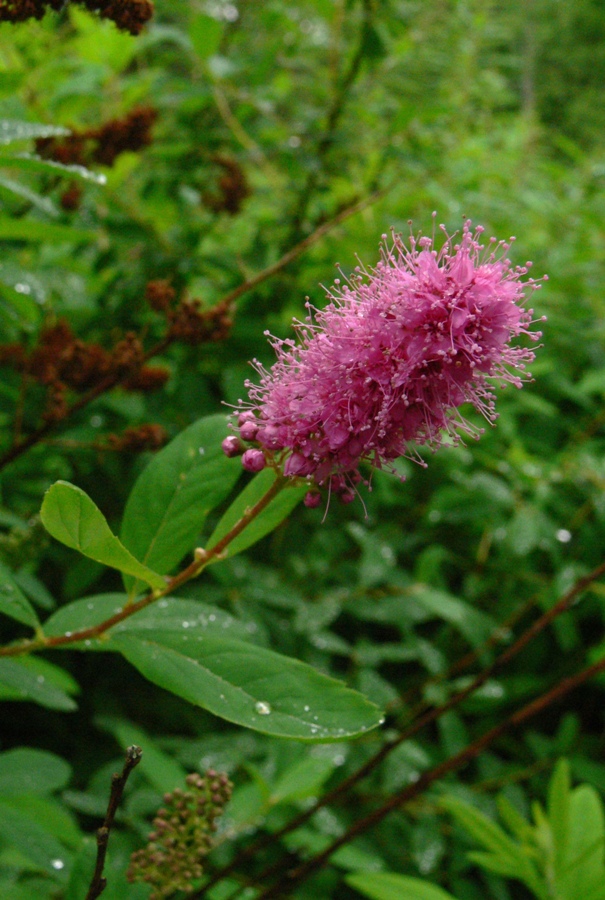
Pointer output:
118, 783
562, 605
201, 559
333, 116
292, 879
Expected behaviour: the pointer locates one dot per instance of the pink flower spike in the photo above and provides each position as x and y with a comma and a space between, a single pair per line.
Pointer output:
391, 359
253, 460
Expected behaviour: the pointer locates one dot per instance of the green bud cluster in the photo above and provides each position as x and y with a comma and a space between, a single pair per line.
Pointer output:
183, 834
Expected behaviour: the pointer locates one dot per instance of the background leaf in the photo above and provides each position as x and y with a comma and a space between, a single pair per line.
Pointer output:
279, 508
387, 886
13, 601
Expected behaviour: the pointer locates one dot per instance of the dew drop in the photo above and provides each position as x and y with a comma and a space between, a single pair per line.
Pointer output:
262, 708
307, 708
57, 863
40, 679
185, 624
201, 451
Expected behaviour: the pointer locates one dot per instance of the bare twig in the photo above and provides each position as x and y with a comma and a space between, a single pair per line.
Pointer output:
118, 783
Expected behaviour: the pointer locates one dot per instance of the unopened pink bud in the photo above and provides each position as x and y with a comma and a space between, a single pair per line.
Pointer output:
253, 460
248, 431
232, 446
312, 499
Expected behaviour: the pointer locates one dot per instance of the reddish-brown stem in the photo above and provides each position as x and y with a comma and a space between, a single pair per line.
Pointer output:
295, 877
413, 728
201, 559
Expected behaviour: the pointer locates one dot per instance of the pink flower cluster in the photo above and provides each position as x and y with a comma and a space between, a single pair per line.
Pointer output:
389, 361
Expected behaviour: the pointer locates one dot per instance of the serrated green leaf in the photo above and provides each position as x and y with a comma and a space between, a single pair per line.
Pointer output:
169, 503
13, 601
30, 162
25, 770
70, 516
249, 685
390, 886
15, 130
19, 681
279, 508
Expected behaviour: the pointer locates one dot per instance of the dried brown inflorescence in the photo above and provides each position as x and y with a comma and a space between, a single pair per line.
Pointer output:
128, 15
62, 362
103, 144
233, 187
138, 438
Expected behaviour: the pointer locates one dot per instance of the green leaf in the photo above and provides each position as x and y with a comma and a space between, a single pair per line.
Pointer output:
13, 601
50, 813
250, 685
559, 791
279, 508
168, 614
481, 828
303, 780
72, 518
30, 162
14, 130
389, 886
475, 625
205, 33
25, 770
169, 503
20, 681
20, 190
32, 840
34, 232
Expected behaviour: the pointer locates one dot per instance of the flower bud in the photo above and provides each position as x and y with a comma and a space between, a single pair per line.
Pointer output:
232, 446
253, 460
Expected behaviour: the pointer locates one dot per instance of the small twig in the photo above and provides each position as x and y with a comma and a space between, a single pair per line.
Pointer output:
293, 878
415, 726
118, 783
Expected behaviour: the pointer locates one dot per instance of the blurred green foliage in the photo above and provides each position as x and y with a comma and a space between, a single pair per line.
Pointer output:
272, 119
